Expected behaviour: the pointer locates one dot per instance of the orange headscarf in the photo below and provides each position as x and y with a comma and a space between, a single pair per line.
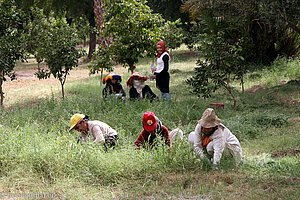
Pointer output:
163, 46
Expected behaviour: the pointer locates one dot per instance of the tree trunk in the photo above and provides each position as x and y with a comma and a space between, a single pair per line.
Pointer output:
131, 67
84, 41
99, 10
101, 77
1, 89
62, 83
92, 44
232, 95
242, 81
62, 90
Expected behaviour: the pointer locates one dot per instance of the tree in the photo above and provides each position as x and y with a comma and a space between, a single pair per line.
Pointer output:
170, 11
282, 13
11, 41
35, 29
71, 9
173, 35
134, 29
242, 19
59, 51
221, 63
102, 61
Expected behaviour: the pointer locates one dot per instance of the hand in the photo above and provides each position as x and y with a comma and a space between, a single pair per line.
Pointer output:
214, 167
153, 77
153, 68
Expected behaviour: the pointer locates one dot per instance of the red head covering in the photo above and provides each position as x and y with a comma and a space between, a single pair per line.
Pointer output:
149, 121
163, 46
135, 74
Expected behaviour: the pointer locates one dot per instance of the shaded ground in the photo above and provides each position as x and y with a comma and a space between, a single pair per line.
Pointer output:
286, 152
278, 92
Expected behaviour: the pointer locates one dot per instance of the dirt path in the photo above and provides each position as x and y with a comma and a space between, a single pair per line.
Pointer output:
28, 86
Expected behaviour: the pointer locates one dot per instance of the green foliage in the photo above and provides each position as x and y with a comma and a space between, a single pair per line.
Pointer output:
82, 26
134, 29
173, 34
170, 11
59, 51
281, 70
281, 13
102, 61
38, 150
247, 20
11, 41
221, 63
36, 27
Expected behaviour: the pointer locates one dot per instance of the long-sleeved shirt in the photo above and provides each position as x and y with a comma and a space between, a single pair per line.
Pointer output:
111, 88
222, 138
162, 74
146, 137
98, 130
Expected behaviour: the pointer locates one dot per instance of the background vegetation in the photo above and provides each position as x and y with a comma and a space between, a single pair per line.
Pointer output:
38, 154
245, 51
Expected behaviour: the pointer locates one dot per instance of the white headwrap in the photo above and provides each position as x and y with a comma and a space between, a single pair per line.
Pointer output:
139, 85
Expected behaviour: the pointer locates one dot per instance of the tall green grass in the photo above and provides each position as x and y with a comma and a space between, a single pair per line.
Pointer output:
36, 146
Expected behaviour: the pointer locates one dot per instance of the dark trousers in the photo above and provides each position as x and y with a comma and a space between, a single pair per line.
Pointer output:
146, 92
110, 141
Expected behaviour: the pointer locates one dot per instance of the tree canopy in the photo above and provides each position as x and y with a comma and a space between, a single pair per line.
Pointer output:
59, 51
12, 46
134, 29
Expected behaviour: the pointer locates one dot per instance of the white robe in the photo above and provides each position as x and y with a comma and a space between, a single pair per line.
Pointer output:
222, 140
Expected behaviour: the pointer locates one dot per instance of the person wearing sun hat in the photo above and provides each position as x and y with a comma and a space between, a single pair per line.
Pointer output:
100, 132
113, 86
212, 136
138, 88
152, 128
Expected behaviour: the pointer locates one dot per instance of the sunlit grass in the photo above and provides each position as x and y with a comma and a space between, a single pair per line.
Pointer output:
38, 154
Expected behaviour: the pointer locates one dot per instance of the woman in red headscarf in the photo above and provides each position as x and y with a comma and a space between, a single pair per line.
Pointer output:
161, 73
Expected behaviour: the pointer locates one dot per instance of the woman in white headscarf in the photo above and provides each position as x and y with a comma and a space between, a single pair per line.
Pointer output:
212, 136
138, 88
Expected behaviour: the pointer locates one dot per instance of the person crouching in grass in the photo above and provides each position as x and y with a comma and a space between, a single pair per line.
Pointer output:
214, 138
113, 87
139, 89
152, 128
100, 132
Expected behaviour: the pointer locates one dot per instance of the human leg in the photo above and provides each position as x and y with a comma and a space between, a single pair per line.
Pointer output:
133, 94
148, 93
165, 96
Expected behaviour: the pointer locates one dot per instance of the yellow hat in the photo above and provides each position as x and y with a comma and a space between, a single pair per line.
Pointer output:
75, 119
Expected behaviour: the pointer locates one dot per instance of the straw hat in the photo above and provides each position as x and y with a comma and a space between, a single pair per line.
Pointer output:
209, 119
75, 119
135, 74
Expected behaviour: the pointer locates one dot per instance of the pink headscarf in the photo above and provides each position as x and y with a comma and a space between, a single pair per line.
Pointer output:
163, 46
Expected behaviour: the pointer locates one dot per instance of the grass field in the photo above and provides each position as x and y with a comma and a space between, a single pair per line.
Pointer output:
39, 155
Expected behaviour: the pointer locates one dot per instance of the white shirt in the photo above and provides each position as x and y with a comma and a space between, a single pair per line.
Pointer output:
98, 129
222, 138
160, 62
